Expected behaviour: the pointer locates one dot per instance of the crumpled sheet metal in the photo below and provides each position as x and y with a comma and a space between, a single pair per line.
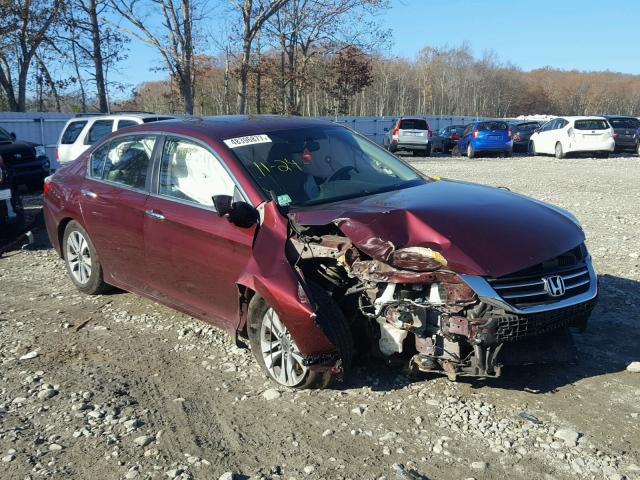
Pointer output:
270, 275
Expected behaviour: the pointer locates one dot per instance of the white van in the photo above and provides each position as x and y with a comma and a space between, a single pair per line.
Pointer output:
84, 130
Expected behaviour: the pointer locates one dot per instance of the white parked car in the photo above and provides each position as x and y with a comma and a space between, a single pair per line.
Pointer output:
84, 130
564, 135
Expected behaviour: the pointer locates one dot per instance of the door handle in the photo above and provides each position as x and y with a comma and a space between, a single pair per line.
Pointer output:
154, 215
88, 193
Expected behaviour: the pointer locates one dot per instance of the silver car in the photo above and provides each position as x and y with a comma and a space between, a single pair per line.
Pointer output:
409, 134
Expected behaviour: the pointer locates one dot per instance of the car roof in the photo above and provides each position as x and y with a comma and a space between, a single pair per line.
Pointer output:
116, 116
621, 116
582, 117
230, 126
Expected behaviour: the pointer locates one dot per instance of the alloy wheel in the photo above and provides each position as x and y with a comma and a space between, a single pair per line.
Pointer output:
79, 257
280, 352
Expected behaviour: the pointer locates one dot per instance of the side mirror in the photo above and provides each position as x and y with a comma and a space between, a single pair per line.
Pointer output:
241, 214
13, 136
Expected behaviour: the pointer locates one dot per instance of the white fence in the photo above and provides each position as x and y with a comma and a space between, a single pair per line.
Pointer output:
44, 128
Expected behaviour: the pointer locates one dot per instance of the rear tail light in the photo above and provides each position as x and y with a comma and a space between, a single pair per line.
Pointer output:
47, 185
516, 136
394, 134
475, 133
429, 133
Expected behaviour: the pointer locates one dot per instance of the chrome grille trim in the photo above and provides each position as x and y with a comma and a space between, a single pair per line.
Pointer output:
487, 294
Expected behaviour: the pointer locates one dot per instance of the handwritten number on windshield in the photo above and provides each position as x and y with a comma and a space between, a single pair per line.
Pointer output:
283, 166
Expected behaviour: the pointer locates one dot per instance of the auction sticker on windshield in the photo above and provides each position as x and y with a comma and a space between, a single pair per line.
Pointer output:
248, 140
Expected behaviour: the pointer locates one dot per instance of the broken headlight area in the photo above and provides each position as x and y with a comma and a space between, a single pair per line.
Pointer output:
409, 309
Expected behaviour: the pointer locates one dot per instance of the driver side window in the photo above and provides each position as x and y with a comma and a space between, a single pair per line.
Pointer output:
190, 172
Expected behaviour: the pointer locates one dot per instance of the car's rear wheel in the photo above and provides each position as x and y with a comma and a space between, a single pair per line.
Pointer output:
559, 151
508, 153
455, 151
83, 265
276, 350
470, 152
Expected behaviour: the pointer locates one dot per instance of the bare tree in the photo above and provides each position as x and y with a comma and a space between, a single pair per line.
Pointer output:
254, 14
26, 23
175, 42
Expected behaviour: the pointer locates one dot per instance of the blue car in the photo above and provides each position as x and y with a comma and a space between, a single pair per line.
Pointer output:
492, 136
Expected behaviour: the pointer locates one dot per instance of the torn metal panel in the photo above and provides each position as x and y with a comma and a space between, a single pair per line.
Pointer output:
480, 230
272, 277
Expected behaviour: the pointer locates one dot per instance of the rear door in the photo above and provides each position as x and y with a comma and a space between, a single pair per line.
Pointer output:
113, 204
413, 131
545, 140
194, 256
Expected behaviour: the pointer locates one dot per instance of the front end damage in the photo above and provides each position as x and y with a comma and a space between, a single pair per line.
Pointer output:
408, 307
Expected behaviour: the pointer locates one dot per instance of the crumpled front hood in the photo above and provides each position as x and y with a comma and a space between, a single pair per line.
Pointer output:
479, 230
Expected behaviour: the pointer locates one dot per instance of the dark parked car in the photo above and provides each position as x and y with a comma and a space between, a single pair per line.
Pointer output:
446, 138
27, 161
11, 213
301, 236
521, 133
481, 137
627, 132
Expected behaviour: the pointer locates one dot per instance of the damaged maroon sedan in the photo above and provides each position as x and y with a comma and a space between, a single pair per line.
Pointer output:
312, 242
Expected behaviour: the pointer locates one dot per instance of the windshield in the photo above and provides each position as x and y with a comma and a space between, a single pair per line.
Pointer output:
492, 126
319, 165
456, 130
590, 124
413, 124
624, 122
527, 127
4, 136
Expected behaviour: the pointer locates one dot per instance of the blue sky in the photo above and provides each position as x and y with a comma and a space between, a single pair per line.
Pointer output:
567, 34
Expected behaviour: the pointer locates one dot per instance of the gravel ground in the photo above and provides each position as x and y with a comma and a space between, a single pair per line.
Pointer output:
119, 387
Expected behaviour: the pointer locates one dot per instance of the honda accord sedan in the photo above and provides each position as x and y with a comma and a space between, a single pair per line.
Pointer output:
307, 242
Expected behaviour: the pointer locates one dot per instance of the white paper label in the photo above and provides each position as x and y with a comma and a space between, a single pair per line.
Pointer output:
5, 194
248, 140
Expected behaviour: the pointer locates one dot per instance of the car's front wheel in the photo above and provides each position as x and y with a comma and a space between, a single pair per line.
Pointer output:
277, 352
83, 265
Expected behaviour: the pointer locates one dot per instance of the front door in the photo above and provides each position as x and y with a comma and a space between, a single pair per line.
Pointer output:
113, 202
194, 256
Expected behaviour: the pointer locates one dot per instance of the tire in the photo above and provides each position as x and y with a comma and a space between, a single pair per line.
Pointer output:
331, 319
77, 250
415, 153
559, 151
455, 151
532, 149
470, 152
428, 151
508, 153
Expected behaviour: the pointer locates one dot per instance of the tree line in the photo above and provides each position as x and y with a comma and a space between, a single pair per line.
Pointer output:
301, 57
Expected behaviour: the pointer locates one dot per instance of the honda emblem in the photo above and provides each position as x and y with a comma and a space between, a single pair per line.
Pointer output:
554, 285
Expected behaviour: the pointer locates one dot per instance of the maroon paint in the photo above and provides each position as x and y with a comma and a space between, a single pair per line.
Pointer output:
480, 230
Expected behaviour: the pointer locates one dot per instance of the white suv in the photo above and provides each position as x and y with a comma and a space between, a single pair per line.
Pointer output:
84, 130
564, 135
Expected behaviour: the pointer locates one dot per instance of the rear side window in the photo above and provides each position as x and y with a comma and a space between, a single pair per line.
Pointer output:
126, 123
595, 124
99, 129
72, 132
624, 122
414, 124
128, 160
98, 158
190, 172
155, 119
492, 126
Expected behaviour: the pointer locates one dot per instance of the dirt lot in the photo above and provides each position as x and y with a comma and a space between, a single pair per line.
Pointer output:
118, 387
